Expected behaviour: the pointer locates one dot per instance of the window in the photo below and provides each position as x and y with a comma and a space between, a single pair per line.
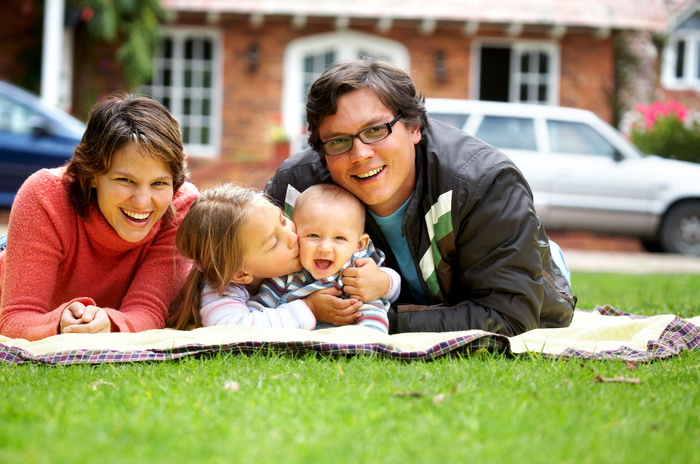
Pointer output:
681, 60
526, 72
186, 80
532, 78
577, 138
681, 69
508, 133
306, 59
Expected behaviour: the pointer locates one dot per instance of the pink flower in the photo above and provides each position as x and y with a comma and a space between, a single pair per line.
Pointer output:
657, 109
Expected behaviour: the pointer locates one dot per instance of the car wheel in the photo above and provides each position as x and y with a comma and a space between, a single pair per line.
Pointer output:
680, 230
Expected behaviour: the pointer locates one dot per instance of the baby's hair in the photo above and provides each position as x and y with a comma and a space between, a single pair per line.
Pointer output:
333, 196
210, 235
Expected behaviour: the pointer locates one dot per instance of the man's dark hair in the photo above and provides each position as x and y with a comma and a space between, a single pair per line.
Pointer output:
391, 84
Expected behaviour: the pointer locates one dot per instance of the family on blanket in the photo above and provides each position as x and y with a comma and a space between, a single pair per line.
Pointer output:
118, 241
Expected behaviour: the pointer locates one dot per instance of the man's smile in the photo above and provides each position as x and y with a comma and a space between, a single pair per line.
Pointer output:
368, 174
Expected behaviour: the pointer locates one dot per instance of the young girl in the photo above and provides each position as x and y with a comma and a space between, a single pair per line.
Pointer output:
236, 238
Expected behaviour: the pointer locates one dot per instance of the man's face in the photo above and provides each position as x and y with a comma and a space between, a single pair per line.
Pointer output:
382, 175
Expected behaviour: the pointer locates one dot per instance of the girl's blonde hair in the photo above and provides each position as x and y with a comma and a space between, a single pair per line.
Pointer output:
211, 236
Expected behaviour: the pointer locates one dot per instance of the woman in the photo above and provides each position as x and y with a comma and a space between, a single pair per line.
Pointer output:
91, 246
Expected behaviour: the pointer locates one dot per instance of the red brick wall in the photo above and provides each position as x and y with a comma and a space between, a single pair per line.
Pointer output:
252, 101
96, 72
689, 98
20, 42
587, 73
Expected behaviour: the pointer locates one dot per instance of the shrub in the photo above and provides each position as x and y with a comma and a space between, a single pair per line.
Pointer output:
666, 129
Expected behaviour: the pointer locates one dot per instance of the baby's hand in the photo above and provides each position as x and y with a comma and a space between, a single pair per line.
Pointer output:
328, 307
365, 281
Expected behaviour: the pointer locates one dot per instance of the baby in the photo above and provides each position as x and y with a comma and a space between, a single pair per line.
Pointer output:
330, 225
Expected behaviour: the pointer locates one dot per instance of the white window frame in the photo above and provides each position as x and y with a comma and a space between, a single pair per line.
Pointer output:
690, 79
518, 48
346, 44
178, 91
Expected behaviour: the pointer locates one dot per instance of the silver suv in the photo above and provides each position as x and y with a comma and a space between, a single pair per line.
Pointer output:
585, 175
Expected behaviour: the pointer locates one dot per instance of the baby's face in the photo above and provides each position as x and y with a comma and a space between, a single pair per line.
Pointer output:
327, 239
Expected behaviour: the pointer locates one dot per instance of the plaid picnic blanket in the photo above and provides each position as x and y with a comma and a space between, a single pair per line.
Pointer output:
602, 333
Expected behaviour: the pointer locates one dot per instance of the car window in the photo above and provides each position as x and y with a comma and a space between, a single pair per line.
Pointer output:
14, 118
508, 132
456, 120
579, 138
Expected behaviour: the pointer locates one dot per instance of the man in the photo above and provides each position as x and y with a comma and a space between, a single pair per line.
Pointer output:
453, 215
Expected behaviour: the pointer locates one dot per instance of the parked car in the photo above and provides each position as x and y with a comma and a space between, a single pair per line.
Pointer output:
585, 175
32, 136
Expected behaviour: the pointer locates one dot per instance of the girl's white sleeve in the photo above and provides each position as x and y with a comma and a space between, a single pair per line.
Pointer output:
394, 286
232, 309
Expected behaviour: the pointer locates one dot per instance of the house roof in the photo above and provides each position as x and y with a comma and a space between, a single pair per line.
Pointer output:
599, 14
681, 10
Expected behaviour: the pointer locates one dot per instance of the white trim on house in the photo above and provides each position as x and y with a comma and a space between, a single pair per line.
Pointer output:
186, 94
684, 28
597, 14
690, 74
52, 50
340, 45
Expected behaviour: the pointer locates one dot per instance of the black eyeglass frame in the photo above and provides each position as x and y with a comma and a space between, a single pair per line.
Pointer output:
358, 136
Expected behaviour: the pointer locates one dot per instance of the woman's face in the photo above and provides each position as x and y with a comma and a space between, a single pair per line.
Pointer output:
135, 193
270, 242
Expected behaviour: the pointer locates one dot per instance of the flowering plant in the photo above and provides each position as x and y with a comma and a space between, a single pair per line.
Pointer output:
667, 129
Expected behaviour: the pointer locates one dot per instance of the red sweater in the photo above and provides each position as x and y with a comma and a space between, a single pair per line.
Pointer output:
54, 258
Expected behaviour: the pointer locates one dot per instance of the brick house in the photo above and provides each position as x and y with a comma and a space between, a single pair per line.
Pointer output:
235, 72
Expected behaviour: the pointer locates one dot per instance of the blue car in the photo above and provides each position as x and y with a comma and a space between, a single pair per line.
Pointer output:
32, 136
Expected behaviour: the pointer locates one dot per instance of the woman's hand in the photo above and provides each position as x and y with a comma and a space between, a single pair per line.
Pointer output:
78, 318
328, 307
365, 281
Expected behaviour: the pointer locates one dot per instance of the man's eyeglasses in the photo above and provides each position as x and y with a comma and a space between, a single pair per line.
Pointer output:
372, 134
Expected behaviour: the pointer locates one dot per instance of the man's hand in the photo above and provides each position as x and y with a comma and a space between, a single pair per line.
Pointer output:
328, 307
365, 281
78, 318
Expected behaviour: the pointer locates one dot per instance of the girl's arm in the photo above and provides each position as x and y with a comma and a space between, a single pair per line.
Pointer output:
394, 284
234, 308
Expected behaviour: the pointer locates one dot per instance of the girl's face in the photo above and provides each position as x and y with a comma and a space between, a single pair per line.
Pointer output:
270, 242
135, 193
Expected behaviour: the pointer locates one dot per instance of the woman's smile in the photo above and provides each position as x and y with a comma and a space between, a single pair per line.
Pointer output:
135, 193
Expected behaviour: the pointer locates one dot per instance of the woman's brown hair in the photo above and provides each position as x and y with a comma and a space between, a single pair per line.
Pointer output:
115, 122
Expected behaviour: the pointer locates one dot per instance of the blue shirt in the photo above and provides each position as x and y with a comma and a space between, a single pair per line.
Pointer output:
391, 228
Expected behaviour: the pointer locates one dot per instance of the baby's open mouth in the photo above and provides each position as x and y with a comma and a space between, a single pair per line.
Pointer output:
323, 264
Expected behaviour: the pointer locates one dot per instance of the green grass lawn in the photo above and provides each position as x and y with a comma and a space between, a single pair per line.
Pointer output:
314, 409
